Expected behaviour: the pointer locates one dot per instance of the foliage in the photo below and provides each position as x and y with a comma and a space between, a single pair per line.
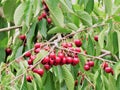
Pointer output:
65, 22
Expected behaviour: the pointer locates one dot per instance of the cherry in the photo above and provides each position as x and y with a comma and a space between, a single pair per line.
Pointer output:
45, 60
69, 60
37, 50
76, 82
49, 20
61, 55
47, 48
39, 71
91, 63
65, 45
22, 37
108, 69
29, 78
40, 18
69, 45
51, 62
47, 66
30, 61
44, 14
63, 61
32, 57
78, 43
77, 50
37, 45
104, 65
28, 54
86, 67
96, 38
75, 61
8, 51
52, 55
57, 60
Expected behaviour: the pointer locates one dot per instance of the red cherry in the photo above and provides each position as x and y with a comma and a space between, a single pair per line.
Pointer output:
78, 43
69, 45
77, 50
64, 45
22, 37
28, 54
32, 57
30, 61
45, 60
104, 65
86, 67
76, 82
96, 38
37, 50
8, 51
75, 61
47, 66
29, 78
69, 60
47, 48
39, 71
63, 61
40, 18
52, 55
57, 60
44, 14
49, 20
108, 69
51, 62
91, 63
61, 55
37, 45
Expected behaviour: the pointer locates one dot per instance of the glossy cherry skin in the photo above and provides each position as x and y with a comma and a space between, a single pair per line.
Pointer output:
78, 43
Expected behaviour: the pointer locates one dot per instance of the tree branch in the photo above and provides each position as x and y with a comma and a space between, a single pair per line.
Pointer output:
10, 28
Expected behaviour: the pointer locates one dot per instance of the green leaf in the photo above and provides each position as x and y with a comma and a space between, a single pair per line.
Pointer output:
56, 13
9, 8
89, 6
118, 82
65, 6
3, 39
90, 46
101, 38
118, 34
59, 30
24, 84
19, 52
117, 69
49, 83
85, 18
40, 55
68, 78
28, 12
19, 13
31, 35
2, 55
43, 28
38, 81
108, 6
72, 26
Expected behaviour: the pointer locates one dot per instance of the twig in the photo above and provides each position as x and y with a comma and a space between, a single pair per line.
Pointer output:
10, 28
81, 30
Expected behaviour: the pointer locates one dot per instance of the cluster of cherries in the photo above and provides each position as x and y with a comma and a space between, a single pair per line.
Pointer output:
53, 59
88, 65
45, 13
107, 69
